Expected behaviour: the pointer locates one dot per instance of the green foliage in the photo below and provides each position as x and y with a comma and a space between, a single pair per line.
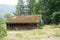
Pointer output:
41, 25
19, 8
2, 32
2, 29
22, 8
47, 8
56, 17
25, 9
7, 15
1, 20
37, 8
31, 6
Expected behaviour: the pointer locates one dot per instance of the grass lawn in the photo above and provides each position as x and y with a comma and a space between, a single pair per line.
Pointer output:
35, 34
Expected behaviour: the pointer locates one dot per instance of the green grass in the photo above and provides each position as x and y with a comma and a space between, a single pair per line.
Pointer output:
18, 35
55, 26
57, 34
47, 31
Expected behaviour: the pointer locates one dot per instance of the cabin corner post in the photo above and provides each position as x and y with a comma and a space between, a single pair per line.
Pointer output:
7, 26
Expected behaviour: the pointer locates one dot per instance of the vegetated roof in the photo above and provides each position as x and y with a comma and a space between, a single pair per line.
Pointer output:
23, 19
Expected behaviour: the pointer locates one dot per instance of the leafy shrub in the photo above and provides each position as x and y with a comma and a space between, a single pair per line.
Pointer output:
41, 24
56, 17
2, 29
2, 32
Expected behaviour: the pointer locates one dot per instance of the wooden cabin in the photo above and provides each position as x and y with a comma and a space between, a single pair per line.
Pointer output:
22, 22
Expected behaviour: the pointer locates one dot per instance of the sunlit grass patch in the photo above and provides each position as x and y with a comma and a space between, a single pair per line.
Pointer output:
35, 34
55, 26
19, 35
57, 34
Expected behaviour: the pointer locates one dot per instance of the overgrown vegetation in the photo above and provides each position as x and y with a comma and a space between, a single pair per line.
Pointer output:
3, 32
56, 18
55, 26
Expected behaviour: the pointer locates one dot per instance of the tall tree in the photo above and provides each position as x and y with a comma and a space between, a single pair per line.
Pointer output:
31, 6
19, 8
47, 8
37, 7
22, 9
56, 13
